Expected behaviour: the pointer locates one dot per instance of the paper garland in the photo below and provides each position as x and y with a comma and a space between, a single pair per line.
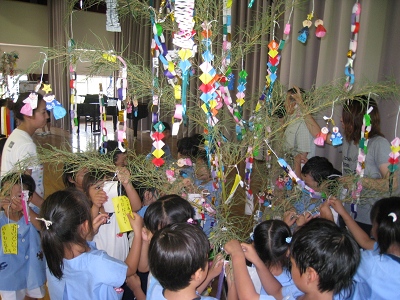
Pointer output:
351, 54
362, 152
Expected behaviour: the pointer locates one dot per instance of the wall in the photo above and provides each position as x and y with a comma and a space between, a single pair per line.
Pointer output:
25, 27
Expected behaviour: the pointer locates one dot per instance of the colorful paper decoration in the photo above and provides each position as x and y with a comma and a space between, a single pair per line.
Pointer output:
336, 137
52, 104
112, 22
158, 144
293, 177
394, 155
122, 207
362, 152
320, 30
351, 54
184, 11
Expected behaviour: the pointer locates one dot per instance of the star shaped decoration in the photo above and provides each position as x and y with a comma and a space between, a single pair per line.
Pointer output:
46, 88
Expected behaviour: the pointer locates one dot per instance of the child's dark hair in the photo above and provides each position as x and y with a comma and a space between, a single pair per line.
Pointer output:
320, 168
112, 149
67, 210
16, 107
167, 126
185, 146
27, 181
90, 178
329, 250
271, 244
2, 144
168, 209
179, 250
387, 219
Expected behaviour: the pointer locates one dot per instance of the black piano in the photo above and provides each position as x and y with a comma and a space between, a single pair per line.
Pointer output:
91, 108
139, 112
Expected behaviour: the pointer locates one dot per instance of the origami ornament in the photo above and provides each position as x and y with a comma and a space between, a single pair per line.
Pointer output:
30, 104
46, 88
336, 137
320, 31
304, 32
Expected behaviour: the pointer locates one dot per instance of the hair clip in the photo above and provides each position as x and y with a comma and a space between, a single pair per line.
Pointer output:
393, 215
47, 223
288, 240
191, 221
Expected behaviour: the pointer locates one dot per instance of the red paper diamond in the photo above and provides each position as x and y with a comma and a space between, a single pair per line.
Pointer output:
158, 136
205, 88
158, 162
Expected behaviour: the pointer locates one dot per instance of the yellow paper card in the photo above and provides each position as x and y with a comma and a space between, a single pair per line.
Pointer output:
9, 238
122, 207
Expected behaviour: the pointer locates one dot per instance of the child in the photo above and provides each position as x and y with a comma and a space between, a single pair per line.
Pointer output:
272, 242
206, 187
378, 276
73, 179
20, 146
22, 274
167, 210
109, 237
298, 140
78, 269
319, 174
178, 259
324, 260
111, 148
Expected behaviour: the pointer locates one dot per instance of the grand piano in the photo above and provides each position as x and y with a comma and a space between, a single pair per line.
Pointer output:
91, 108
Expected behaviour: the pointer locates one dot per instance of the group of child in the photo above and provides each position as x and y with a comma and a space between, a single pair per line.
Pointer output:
80, 253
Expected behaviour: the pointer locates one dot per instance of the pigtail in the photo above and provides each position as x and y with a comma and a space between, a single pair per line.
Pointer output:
53, 248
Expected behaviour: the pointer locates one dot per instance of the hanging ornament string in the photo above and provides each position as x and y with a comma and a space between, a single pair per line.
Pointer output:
351, 54
184, 10
272, 69
37, 87
362, 152
296, 180
287, 26
208, 78
226, 35
72, 80
336, 137
394, 155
